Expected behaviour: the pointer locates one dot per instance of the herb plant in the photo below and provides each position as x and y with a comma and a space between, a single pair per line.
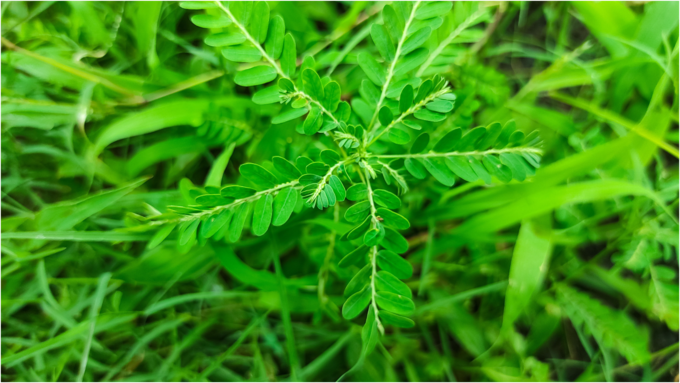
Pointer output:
195, 146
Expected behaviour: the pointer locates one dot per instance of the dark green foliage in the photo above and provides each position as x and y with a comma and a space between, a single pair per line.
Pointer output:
279, 191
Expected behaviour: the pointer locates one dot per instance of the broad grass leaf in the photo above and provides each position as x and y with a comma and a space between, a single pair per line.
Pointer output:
163, 263
159, 116
529, 266
543, 200
65, 215
262, 280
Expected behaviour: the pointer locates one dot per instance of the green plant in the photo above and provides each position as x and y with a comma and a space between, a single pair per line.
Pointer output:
392, 102
231, 191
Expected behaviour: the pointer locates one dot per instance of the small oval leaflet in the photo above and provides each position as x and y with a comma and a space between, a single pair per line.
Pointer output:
386, 199
395, 264
355, 304
257, 75
284, 203
358, 212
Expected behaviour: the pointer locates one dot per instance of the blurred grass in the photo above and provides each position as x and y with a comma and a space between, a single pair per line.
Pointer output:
108, 107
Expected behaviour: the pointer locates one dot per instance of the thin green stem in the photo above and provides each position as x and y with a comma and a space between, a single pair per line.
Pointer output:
390, 72
461, 27
273, 62
318, 104
374, 255
218, 209
326, 178
410, 111
250, 38
453, 154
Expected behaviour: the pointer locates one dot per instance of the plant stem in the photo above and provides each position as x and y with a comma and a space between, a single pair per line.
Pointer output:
274, 63
390, 72
217, 209
374, 256
410, 111
461, 27
453, 154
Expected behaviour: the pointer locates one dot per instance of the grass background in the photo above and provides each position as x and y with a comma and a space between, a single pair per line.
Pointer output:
569, 276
